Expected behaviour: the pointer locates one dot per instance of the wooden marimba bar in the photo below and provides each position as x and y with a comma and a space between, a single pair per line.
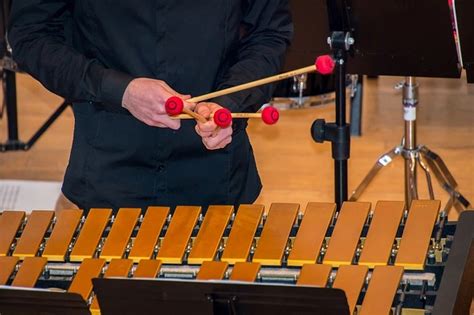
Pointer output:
380, 258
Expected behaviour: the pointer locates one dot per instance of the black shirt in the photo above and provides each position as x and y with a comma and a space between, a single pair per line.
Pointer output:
89, 50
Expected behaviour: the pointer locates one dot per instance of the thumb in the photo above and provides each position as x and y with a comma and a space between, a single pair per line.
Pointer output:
203, 110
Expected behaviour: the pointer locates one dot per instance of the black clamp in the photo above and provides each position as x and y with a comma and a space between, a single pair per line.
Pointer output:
338, 136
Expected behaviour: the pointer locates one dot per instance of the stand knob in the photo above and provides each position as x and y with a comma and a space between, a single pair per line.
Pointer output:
317, 130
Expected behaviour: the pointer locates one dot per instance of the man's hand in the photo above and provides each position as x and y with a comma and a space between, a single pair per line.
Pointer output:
213, 137
145, 99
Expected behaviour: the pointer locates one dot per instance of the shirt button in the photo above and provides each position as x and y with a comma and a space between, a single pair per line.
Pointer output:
161, 168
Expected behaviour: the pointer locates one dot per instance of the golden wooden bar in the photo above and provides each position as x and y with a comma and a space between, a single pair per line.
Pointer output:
210, 234
91, 233
120, 233
212, 270
116, 268
245, 271
311, 233
314, 275
30, 240
417, 234
179, 232
382, 232
147, 268
7, 266
61, 236
382, 289
275, 234
29, 272
241, 236
148, 233
351, 279
10, 222
82, 283
346, 234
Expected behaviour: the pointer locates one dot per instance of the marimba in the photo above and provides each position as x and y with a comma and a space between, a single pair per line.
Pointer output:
385, 259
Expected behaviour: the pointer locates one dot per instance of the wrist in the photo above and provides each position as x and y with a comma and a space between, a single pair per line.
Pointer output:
114, 84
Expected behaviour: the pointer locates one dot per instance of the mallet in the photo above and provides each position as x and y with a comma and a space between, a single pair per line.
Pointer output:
323, 64
223, 117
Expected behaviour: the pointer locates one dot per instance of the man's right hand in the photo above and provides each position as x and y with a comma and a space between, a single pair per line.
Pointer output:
145, 99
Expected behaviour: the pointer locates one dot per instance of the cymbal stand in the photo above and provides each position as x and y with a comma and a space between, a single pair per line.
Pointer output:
414, 155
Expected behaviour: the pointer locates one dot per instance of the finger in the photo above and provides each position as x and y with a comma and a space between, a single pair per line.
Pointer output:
170, 90
189, 105
165, 86
203, 134
158, 105
211, 145
203, 110
218, 139
166, 121
209, 126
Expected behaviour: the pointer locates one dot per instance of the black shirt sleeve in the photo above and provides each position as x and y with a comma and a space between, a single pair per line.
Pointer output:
268, 32
39, 46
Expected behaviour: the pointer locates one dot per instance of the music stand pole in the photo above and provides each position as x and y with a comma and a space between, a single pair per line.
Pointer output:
410, 101
341, 152
338, 133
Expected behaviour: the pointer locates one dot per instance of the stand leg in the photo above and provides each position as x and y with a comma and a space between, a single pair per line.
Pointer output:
444, 178
47, 124
384, 160
411, 191
444, 171
426, 169
12, 114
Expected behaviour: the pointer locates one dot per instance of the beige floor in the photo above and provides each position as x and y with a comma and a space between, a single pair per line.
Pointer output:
294, 168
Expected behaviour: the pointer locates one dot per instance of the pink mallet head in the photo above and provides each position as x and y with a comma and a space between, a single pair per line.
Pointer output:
174, 106
223, 118
325, 64
270, 115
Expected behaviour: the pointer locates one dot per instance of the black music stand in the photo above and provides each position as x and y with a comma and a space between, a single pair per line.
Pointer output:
19, 301
181, 297
372, 37
456, 289
465, 23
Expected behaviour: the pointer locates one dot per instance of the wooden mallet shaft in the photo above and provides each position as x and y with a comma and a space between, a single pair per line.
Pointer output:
193, 115
252, 84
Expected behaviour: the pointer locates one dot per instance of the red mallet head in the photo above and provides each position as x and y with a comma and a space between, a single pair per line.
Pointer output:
325, 64
270, 115
223, 118
174, 106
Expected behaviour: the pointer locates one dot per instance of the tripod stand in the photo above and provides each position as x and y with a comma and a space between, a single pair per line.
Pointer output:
13, 143
8, 70
415, 154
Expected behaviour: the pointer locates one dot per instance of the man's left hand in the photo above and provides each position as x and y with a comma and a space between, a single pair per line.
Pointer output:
213, 136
